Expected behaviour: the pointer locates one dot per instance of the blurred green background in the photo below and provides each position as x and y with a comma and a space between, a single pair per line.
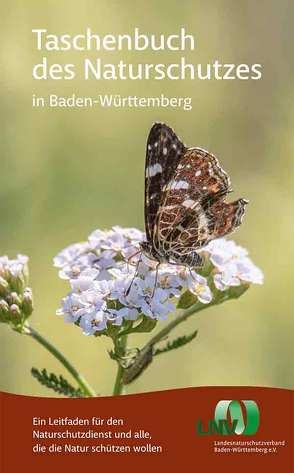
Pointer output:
65, 173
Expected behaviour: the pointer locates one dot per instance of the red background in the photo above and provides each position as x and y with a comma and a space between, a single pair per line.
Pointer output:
170, 417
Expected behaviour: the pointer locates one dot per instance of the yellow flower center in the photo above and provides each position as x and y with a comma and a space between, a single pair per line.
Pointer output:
75, 270
199, 289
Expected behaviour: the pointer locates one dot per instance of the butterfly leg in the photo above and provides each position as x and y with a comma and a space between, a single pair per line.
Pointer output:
190, 271
191, 274
135, 274
156, 279
131, 257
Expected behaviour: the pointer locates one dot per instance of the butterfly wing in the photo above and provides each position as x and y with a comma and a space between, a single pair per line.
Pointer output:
163, 153
224, 218
193, 210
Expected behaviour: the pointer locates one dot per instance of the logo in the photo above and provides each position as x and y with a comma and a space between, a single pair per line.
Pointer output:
232, 418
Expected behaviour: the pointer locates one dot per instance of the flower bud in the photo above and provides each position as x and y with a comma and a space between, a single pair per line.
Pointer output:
16, 272
3, 266
13, 298
4, 311
15, 313
16, 301
4, 287
17, 282
27, 302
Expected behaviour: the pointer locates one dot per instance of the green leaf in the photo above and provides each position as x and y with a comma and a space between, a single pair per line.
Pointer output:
236, 291
146, 325
112, 330
177, 343
186, 300
127, 326
100, 333
57, 383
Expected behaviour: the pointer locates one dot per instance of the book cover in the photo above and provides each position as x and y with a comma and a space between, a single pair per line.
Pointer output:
146, 186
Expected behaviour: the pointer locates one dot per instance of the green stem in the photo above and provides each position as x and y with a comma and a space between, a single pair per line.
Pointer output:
119, 347
86, 388
118, 385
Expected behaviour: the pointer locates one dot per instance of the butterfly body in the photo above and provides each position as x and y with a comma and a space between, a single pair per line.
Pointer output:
185, 199
192, 259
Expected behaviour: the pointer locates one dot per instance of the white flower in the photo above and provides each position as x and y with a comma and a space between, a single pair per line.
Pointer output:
14, 267
78, 266
173, 280
248, 272
158, 306
222, 251
96, 238
93, 322
112, 281
132, 234
198, 286
232, 264
73, 307
82, 284
70, 254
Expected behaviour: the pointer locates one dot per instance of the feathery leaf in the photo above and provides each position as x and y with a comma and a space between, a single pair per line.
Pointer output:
177, 343
58, 383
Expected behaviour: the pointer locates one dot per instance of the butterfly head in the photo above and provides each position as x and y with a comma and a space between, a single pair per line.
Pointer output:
191, 259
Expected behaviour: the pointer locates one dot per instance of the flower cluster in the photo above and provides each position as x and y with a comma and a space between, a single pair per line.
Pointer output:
16, 302
112, 281
232, 266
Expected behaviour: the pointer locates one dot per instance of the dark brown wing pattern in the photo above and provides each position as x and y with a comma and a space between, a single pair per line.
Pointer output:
163, 153
193, 210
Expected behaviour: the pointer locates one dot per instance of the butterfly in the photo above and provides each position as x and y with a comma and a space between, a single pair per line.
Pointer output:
185, 208
185, 200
